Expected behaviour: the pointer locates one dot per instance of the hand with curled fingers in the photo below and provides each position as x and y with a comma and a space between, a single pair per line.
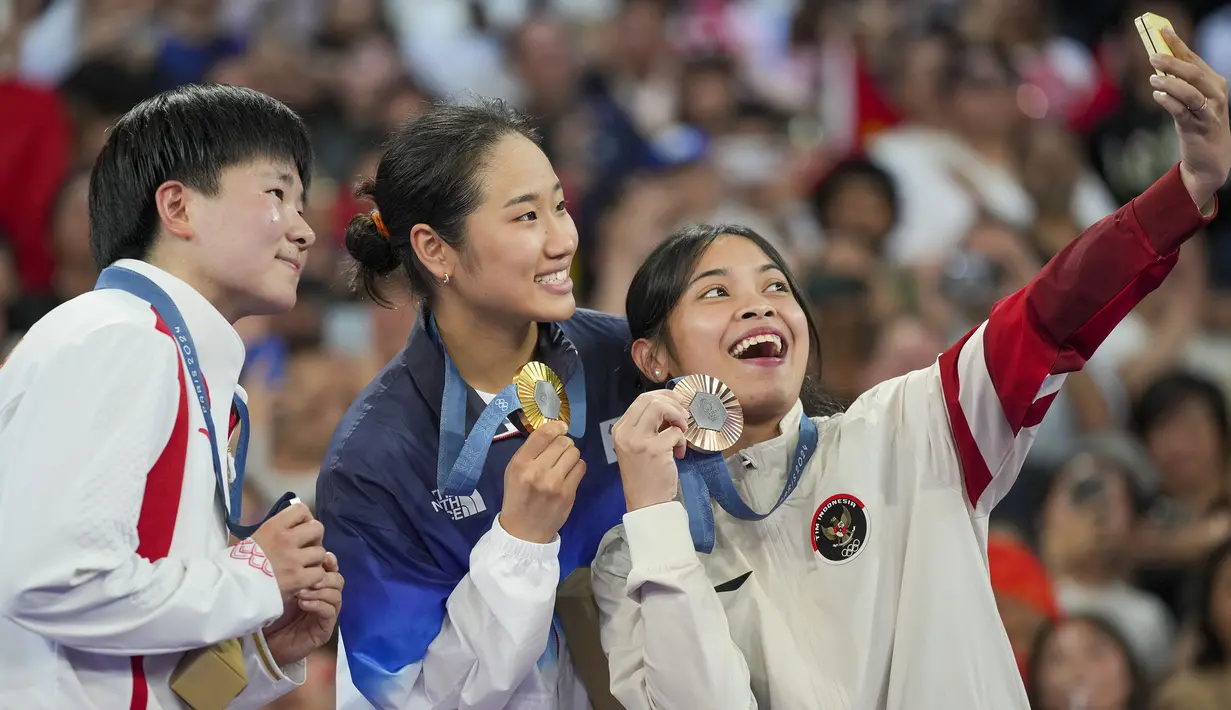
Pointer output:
292, 541
308, 620
1196, 97
540, 484
648, 439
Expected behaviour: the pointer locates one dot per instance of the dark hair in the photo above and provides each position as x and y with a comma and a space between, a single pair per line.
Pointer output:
1211, 653
429, 174
1115, 454
846, 171
1139, 682
1168, 393
758, 112
706, 63
107, 85
192, 134
660, 281
805, 29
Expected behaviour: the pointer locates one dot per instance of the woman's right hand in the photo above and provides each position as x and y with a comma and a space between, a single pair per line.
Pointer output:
540, 484
647, 440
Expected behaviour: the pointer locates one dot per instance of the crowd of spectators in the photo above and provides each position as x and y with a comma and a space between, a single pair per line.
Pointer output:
916, 159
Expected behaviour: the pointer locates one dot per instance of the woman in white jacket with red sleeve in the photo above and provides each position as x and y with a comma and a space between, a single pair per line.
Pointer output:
862, 581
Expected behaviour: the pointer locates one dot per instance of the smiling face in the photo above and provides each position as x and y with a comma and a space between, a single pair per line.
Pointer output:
520, 241
249, 242
736, 320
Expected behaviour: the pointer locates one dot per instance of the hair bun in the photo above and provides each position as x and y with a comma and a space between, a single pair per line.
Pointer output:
367, 246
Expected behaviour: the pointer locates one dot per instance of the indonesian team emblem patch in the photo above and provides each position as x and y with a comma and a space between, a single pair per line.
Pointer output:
840, 528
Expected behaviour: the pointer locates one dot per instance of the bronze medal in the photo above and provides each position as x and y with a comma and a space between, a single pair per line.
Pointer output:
715, 419
542, 396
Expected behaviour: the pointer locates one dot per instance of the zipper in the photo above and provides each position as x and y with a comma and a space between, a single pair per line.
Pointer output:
780, 555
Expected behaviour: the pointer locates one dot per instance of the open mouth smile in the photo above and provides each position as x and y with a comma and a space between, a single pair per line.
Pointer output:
761, 345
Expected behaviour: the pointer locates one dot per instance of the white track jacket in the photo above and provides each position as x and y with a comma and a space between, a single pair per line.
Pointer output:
868, 588
114, 556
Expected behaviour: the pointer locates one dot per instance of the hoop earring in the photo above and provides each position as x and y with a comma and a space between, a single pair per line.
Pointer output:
446, 279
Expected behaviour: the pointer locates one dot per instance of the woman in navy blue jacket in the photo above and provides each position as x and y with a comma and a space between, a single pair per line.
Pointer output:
453, 529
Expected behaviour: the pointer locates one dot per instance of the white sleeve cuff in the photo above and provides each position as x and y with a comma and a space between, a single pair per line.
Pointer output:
267, 681
505, 544
658, 536
294, 673
511, 585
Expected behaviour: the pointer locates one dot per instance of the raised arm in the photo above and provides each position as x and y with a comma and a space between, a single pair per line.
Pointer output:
1000, 379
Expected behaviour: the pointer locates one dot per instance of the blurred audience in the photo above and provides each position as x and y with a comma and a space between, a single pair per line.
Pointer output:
1084, 662
1095, 504
1206, 685
915, 160
1182, 420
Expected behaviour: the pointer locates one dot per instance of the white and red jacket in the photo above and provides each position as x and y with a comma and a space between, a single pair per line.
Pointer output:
114, 557
868, 588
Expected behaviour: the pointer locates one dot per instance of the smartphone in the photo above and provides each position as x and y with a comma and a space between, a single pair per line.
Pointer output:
1150, 28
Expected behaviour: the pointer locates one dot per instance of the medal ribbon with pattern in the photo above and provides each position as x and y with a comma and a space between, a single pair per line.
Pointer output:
715, 423
121, 279
461, 458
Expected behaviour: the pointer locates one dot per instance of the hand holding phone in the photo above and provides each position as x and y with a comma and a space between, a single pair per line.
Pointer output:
1150, 28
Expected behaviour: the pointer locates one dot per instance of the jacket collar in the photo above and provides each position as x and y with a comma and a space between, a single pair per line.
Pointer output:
774, 454
220, 349
425, 358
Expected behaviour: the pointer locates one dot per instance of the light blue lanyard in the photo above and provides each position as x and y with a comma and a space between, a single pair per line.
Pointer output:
121, 279
461, 457
704, 474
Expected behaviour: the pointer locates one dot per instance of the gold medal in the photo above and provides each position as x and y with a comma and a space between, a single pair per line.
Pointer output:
542, 396
715, 419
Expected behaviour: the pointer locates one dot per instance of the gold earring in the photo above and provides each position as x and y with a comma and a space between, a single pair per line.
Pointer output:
446, 279
658, 373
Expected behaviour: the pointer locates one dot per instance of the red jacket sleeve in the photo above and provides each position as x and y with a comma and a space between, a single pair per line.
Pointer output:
999, 380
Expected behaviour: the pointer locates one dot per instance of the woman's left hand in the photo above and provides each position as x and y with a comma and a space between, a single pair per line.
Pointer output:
1196, 97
